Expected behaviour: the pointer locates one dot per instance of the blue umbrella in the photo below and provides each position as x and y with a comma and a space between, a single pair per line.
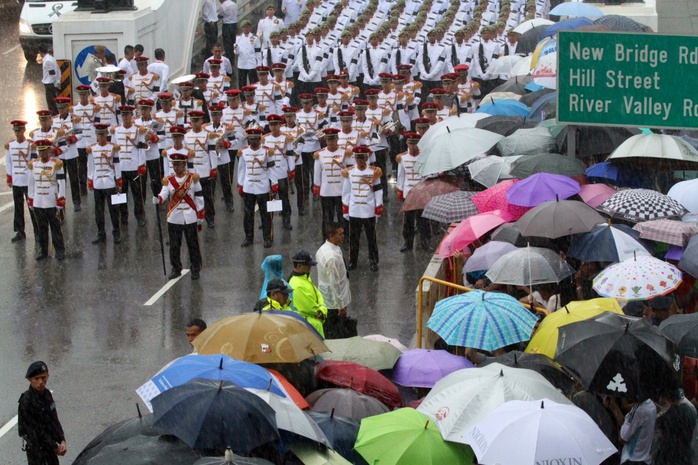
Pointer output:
576, 9
482, 320
546, 104
566, 25
504, 107
217, 368
619, 175
607, 243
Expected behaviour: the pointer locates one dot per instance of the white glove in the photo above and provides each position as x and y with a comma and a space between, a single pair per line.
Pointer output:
346, 217
156, 200
199, 222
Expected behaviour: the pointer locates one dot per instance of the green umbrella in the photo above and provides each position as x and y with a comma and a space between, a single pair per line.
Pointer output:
407, 437
376, 355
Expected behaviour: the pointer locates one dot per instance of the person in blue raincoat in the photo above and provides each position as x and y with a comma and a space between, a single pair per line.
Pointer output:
273, 268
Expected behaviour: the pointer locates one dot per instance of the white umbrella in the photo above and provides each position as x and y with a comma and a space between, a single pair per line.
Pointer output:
539, 431
576, 9
523, 67
448, 151
466, 396
491, 169
529, 266
659, 146
545, 72
465, 120
686, 193
528, 141
531, 23
485, 256
505, 64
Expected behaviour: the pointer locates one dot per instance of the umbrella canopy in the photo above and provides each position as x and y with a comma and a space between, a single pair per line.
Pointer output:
532, 97
558, 219
485, 256
576, 9
500, 95
483, 320
527, 142
686, 193
420, 194
622, 175
504, 107
593, 140
289, 389
503, 125
683, 330
657, 148
259, 337
423, 368
407, 437
144, 450
542, 187
532, 23
208, 414
472, 229
359, 378
522, 69
530, 37
313, 455
620, 23
495, 198
346, 403
567, 25
390, 340
595, 194
509, 233
552, 163
607, 243
117, 433
504, 65
448, 151
540, 363
689, 259
372, 354
341, 432
450, 208
546, 106
464, 397
618, 354
546, 337
637, 278
491, 169
236, 460
538, 432
667, 231
641, 205
443, 127
529, 266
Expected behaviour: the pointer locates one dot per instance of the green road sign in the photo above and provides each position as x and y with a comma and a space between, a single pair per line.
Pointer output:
627, 79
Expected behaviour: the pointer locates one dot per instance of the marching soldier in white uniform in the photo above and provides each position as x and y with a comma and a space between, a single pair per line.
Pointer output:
311, 121
205, 161
153, 160
266, 94
187, 103
177, 135
382, 120
66, 139
143, 83
220, 144
104, 178
407, 178
17, 158
106, 103
283, 85
45, 130
327, 183
277, 145
85, 112
167, 117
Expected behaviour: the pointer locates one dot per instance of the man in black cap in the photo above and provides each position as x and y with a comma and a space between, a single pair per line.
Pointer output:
661, 308
38, 423
277, 296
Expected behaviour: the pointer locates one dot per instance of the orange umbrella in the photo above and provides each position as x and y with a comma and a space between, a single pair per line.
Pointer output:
291, 390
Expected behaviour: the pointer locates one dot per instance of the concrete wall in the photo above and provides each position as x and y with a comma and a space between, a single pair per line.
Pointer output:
678, 16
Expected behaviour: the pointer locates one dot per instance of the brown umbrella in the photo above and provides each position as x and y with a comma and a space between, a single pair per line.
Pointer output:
420, 194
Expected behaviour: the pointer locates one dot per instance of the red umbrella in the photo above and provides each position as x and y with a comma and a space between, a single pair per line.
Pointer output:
361, 379
495, 198
419, 195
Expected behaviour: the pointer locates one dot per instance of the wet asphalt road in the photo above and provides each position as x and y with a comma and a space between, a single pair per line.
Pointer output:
85, 317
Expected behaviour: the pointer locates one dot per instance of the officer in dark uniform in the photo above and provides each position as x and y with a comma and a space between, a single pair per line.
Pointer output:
38, 422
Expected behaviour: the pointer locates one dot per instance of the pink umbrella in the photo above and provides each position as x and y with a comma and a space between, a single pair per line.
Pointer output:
472, 229
595, 194
495, 198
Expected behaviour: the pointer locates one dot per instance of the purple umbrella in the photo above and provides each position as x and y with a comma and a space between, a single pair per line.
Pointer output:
423, 368
542, 187
485, 256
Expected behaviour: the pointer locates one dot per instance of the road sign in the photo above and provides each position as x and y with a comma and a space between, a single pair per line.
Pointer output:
627, 79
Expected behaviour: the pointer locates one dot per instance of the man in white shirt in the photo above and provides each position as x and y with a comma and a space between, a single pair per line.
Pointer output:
125, 62
248, 50
210, 17
267, 25
333, 283
160, 68
291, 10
51, 78
229, 15
217, 54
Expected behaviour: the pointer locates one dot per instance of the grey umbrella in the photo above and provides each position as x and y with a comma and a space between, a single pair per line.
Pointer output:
529, 266
529, 40
620, 23
508, 233
232, 459
595, 140
504, 125
558, 219
527, 142
547, 163
689, 259
530, 99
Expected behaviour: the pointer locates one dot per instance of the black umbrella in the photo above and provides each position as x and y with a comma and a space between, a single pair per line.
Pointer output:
619, 355
514, 85
530, 99
341, 432
509, 233
620, 23
209, 414
503, 125
232, 459
539, 363
683, 330
552, 163
529, 40
145, 450
595, 140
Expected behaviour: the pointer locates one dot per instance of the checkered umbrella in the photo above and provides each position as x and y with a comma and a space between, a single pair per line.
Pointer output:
620, 23
667, 231
452, 207
641, 205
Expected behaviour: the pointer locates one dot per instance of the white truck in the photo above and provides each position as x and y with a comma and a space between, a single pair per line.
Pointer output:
36, 23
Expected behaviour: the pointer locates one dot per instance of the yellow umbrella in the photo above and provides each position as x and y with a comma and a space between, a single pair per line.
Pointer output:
261, 337
544, 341
536, 52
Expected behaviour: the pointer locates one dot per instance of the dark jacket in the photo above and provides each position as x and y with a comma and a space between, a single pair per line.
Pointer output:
38, 420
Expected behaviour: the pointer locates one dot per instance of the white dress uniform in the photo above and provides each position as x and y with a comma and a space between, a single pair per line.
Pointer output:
488, 50
17, 157
407, 176
433, 64
457, 54
68, 150
311, 121
39, 134
128, 140
380, 116
174, 117
248, 50
162, 70
283, 162
103, 167
253, 174
404, 56
273, 54
226, 66
183, 213
328, 179
368, 134
236, 118
107, 108
266, 26
346, 57
152, 152
362, 203
373, 62
309, 61
193, 104
204, 159
216, 139
285, 88
387, 100
268, 97
86, 115
46, 182
143, 86
168, 152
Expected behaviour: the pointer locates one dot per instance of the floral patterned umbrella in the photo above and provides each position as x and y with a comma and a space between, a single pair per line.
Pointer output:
637, 278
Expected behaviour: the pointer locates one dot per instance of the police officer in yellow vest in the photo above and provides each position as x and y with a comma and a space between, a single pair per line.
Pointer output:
277, 296
307, 299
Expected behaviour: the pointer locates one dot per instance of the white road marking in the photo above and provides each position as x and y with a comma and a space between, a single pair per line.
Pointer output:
6, 193
11, 50
7, 207
164, 289
8, 426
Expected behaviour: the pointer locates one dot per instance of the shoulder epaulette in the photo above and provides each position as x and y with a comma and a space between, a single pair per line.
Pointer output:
195, 177
165, 181
345, 173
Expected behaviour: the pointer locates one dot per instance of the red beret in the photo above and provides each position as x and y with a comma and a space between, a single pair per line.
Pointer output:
321, 90
275, 119
361, 151
126, 108
202, 76
331, 131
196, 114
146, 102
62, 100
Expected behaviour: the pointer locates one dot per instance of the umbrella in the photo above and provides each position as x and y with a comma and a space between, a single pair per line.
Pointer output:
532, 97
443, 127
545, 70
491, 169
575, 9
619, 175
540, 363
232, 460
527, 142
209, 414
504, 65
523, 67
668, 231
300, 375
530, 37
313, 455
423, 368
594, 140
637, 278
532, 23
392, 341
483, 320
529, 266
144, 450
509, 233
617, 354
493, 96
289, 389
543, 108
558, 219
259, 337
683, 330
471, 229
542, 187
503, 125
656, 148
341, 432
484, 257
686, 193
407, 437
372, 354
567, 25
449, 208
464, 397
552, 163
505, 107
545, 340
595, 194
538, 432
607, 243
359, 378
346, 403
689, 259
117, 433
641, 205
621, 23
450, 150
424, 190
495, 198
